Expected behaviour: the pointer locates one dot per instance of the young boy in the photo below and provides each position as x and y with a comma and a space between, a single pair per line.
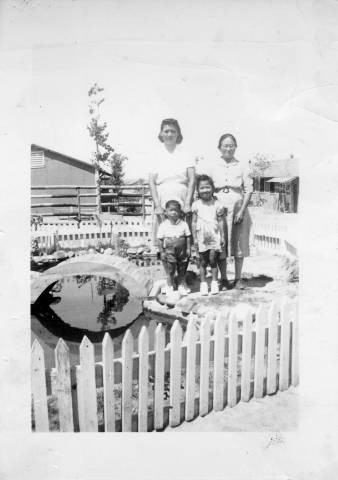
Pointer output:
175, 246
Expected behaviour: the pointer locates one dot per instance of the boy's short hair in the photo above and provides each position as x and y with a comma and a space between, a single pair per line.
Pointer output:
205, 178
174, 203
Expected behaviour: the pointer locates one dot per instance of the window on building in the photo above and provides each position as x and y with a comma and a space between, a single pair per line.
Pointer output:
37, 159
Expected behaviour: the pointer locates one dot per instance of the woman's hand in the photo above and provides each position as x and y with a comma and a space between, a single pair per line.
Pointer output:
186, 208
239, 216
188, 252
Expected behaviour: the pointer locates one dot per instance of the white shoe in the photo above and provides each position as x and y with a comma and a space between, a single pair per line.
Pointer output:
183, 291
169, 290
204, 288
214, 289
164, 289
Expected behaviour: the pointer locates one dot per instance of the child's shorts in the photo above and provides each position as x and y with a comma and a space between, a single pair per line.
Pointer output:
175, 250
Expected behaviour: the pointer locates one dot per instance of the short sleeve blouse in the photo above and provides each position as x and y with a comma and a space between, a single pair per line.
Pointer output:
172, 167
233, 174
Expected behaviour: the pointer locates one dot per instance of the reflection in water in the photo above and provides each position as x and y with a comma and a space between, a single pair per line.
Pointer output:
87, 305
93, 303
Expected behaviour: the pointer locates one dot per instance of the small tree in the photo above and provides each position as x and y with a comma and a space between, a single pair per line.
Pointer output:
98, 129
258, 164
117, 168
104, 155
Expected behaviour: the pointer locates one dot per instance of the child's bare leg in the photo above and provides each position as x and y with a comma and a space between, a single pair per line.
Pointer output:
213, 264
171, 273
181, 272
203, 267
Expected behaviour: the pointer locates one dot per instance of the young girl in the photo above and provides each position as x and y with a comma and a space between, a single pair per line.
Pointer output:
208, 231
175, 246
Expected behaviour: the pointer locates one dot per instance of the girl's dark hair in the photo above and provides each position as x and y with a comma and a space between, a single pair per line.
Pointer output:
204, 178
174, 123
227, 135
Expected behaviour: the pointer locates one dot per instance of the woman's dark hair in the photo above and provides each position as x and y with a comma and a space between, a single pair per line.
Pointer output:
227, 135
174, 123
204, 178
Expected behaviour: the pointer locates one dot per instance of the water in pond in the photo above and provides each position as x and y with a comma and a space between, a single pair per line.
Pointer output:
85, 305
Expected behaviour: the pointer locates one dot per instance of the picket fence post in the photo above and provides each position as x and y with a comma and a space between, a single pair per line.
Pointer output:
232, 360
159, 376
87, 401
219, 350
143, 348
259, 352
273, 315
39, 390
246, 356
108, 383
63, 387
191, 338
204, 368
127, 380
175, 373
284, 347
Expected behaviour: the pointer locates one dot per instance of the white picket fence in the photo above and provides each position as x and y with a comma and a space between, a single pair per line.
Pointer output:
275, 233
224, 361
89, 234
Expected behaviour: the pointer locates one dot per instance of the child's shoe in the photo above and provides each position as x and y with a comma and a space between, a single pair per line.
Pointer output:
204, 288
183, 291
214, 287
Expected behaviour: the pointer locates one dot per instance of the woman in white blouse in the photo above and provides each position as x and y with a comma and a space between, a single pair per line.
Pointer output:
174, 178
233, 189
174, 175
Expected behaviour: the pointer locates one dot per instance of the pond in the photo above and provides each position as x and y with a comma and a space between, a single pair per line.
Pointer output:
85, 305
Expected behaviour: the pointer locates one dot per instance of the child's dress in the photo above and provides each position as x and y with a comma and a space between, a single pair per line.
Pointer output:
207, 228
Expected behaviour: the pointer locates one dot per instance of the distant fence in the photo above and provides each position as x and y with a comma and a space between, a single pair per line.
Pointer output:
74, 200
66, 200
216, 365
275, 233
126, 199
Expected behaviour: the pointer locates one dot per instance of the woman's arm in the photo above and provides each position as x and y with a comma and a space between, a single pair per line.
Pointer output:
154, 194
247, 189
246, 200
191, 189
223, 227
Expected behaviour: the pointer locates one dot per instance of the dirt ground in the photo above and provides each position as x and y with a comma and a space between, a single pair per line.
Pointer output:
274, 413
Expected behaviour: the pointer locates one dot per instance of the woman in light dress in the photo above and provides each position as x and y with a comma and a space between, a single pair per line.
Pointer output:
173, 177
234, 188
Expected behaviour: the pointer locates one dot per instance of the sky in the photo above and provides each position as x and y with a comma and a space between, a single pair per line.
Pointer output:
213, 69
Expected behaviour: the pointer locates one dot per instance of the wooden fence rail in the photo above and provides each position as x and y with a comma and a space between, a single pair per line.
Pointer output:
225, 360
119, 199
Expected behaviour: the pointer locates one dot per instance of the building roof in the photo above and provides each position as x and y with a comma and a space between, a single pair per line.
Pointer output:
80, 163
281, 179
287, 167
